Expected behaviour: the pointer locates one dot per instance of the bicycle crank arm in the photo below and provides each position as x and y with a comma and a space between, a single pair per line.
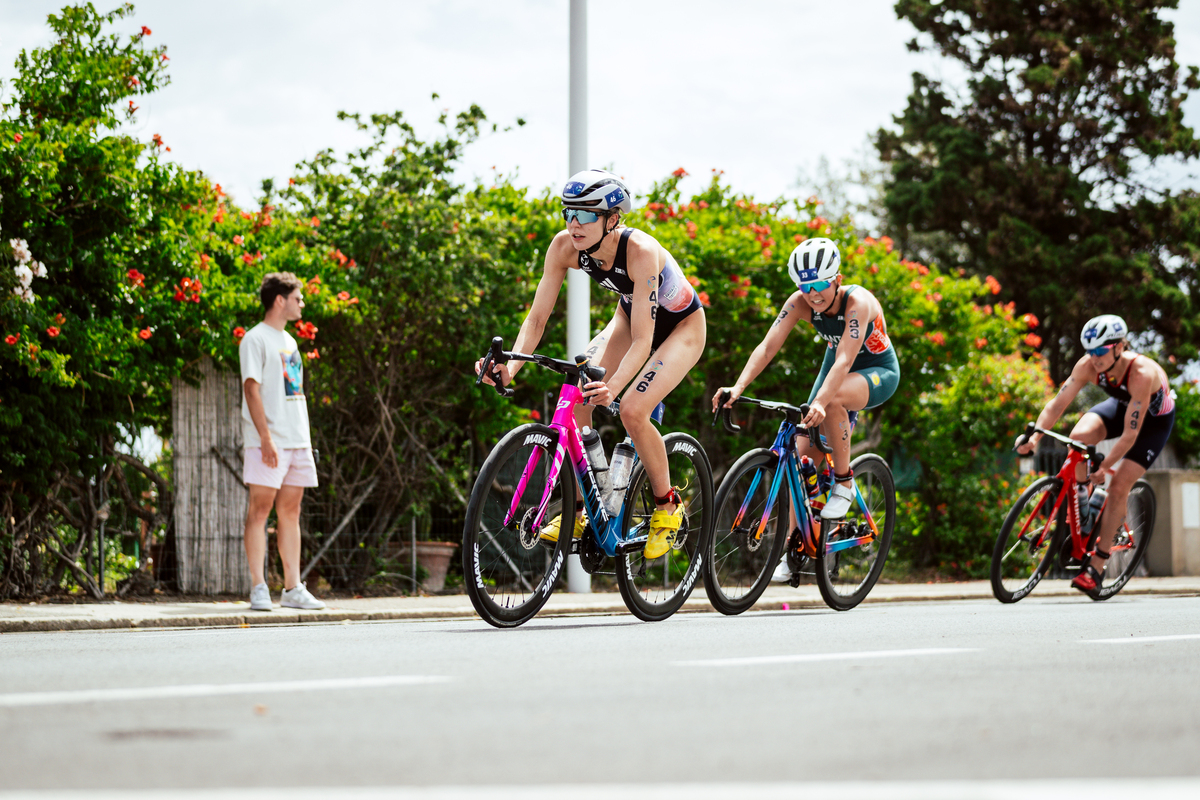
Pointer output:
635, 545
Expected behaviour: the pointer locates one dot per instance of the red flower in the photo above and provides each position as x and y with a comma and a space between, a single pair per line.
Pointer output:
353, 300
12, 338
316, 223
136, 278
1033, 340
17, 138
239, 332
679, 173
351, 265
920, 323
531, 236
157, 139
535, 414
59, 319
33, 351
145, 333
204, 259
693, 280
291, 181
165, 57
133, 81
916, 286
180, 297
1030, 320
704, 299
874, 270
980, 343
735, 278
238, 239
703, 204
936, 337
186, 283
739, 293
132, 107
921, 268
312, 354
145, 31
691, 229
992, 284
343, 296
246, 257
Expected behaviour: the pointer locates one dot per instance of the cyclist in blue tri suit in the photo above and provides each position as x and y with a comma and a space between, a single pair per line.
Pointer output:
860, 369
656, 335
1139, 413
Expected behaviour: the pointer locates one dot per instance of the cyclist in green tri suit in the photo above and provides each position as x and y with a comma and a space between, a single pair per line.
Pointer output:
860, 369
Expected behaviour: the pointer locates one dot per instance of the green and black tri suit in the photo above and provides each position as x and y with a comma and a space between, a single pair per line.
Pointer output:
876, 360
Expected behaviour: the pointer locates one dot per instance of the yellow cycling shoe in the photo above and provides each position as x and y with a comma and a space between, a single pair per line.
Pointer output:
550, 531
664, 526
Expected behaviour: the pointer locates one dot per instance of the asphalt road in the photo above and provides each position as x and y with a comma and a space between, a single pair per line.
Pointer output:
970, 692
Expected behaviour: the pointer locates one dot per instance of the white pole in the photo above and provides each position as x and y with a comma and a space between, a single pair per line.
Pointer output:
579, 326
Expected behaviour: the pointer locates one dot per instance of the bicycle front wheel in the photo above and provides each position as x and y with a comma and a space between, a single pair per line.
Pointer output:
1133, 537
747, 542
1028, 541
853, 550
655, 589
510, 570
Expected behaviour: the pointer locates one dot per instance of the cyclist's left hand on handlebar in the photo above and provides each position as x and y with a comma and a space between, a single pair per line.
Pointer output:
598, 394
505, 376
816, 415
733, 394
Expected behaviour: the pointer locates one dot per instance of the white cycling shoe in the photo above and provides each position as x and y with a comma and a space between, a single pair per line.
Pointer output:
839, 502
783, 573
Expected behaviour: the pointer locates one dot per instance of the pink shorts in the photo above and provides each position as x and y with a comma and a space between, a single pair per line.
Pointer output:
296, 468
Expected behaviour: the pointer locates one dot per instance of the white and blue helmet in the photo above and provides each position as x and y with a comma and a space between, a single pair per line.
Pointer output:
1102, 330
814, 260
597, 190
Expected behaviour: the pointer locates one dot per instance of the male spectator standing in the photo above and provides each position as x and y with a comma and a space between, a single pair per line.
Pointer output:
278, 459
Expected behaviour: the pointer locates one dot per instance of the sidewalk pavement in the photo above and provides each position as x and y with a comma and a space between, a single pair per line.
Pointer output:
94, 616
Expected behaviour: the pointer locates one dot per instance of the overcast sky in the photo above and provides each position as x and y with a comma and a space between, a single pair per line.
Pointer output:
757, 89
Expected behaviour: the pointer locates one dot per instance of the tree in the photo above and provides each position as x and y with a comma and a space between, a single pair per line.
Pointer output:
1040, 174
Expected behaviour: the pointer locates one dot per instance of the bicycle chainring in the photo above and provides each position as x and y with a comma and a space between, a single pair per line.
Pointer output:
591, 557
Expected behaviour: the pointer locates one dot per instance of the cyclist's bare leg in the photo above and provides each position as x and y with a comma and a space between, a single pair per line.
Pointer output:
668, 365
605, 350
1124, 476
1089, 430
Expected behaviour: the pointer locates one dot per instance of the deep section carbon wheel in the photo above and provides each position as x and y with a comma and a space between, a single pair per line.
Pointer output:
654, 589
510, 570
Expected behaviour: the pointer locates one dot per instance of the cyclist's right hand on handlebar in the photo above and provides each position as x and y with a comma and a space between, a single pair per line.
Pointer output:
1026, 445
732, 392
505, 376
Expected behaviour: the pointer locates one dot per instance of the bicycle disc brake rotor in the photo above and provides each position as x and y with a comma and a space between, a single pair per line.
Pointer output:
528, 536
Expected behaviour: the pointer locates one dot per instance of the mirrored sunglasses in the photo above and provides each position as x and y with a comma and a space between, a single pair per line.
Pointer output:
1100, 351
815, 286
580, 214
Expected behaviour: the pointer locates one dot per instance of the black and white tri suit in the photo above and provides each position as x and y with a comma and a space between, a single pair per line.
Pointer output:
675, 297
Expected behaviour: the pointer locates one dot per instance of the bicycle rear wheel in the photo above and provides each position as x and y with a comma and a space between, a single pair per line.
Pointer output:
851, 553
740, 560
1022, 553
1133, 537
510, 571
655, 589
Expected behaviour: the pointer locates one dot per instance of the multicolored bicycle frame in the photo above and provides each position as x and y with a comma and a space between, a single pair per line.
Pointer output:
784, 448
605, 528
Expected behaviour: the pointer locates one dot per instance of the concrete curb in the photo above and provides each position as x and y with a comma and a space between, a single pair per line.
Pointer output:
127, 616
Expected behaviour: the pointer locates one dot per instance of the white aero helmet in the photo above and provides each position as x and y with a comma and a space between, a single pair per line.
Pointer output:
814, 260
597, 190
1102, 330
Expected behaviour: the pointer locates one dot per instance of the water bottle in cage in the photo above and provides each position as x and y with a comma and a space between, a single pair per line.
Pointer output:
1093, 508
618, 475
595, 454
808, 473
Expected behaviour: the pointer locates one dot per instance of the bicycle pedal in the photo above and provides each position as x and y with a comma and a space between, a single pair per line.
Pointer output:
794, 581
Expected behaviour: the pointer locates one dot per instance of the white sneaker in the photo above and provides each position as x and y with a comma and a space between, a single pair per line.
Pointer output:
260, 598
300, 597
783, 573
839, 502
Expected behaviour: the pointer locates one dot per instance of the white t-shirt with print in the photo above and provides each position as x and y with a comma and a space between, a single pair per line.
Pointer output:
271, 357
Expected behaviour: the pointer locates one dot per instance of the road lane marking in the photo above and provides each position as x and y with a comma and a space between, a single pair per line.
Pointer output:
1045, 789
211, 690
803, 657
1141, 639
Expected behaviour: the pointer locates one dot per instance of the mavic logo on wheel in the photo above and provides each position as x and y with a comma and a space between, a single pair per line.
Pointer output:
684, 447
478, 574
692, 574
552, 578
540, 439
